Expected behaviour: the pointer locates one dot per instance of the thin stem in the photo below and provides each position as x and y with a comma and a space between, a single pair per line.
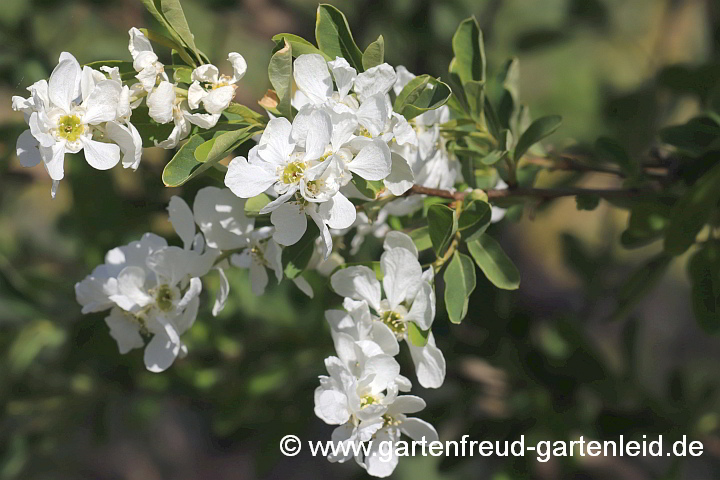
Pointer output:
545, 194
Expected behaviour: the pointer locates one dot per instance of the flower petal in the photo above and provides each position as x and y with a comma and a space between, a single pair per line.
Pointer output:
290, 224
401, 281
344, 75
239, 65
378, 79
418, 430
64, 83
102, 103
359, 283
246, 180
27, 150
182, 220
429, 363
124, 331
160, 102
401, 177
100, 155
373, 162
313, 77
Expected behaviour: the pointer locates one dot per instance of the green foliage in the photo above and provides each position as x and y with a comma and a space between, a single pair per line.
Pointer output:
460, 282
332, 34
421, 94
704, 272
374, 54
280, 74
467, 68
539, 129
442, 225
494, 262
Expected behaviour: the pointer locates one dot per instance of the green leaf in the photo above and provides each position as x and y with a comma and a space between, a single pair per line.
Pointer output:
467, 45
374, 54
299, 45
640, 283
692, 212
696, 137
245, 113
254, 204
173, 13
417, 337
280, 74
149, 129
421, 238
183, 75
442, 223
539, 129
184, 166
421, 94
460, 282
370, 189
704, 271
493, 157
611, 151
469, 64
295, 258
587, 202
494, 263
332, 34
474, 220
491, 119
648, 221
175, 46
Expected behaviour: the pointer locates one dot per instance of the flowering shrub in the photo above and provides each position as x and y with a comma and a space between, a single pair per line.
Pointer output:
350, 146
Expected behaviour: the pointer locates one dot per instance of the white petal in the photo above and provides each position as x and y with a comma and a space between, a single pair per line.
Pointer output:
429, 364
124, 331
64, 83
373, 162
419, 430
138, 42
385, 338
101, 155
27, 149
338, 212
276, 143
330, 407
195, 95
313, 77
207, 73
304, 286
378, 79
54, 159
160, 102
422, 311
396, 239
130, 143
373, 114
344, 75
222, 294
290, 224
406, 404
359, 283
403, 78
219, 99
246, 180
182, 220
381, 463
258, 278
102, 103
318, 136
401, 177
239, 66
202, 120
160, 353
402, 275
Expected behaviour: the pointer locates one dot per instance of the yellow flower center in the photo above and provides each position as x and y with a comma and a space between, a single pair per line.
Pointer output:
70, 128
394, 321
366, 400
293, 172
363, 132
164, 298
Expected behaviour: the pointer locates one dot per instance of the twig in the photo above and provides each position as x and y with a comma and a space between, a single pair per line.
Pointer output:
545, 194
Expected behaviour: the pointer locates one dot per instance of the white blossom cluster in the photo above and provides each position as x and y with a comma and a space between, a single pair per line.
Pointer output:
80, 108
345, 135
361, 392
337, 134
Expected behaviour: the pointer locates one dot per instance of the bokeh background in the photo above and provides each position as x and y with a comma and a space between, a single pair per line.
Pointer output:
568, 354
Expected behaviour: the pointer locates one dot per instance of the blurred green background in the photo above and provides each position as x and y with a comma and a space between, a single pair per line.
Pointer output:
545, 361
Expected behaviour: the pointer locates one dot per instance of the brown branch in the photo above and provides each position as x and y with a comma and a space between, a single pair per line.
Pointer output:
541, 193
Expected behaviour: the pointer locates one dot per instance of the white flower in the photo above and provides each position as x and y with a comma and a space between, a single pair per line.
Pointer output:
221, 218
498, 213
165, 106
145, 61
77, 109
213, 90
409, 297
305, 181
360, 385
262, 252
152, 290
